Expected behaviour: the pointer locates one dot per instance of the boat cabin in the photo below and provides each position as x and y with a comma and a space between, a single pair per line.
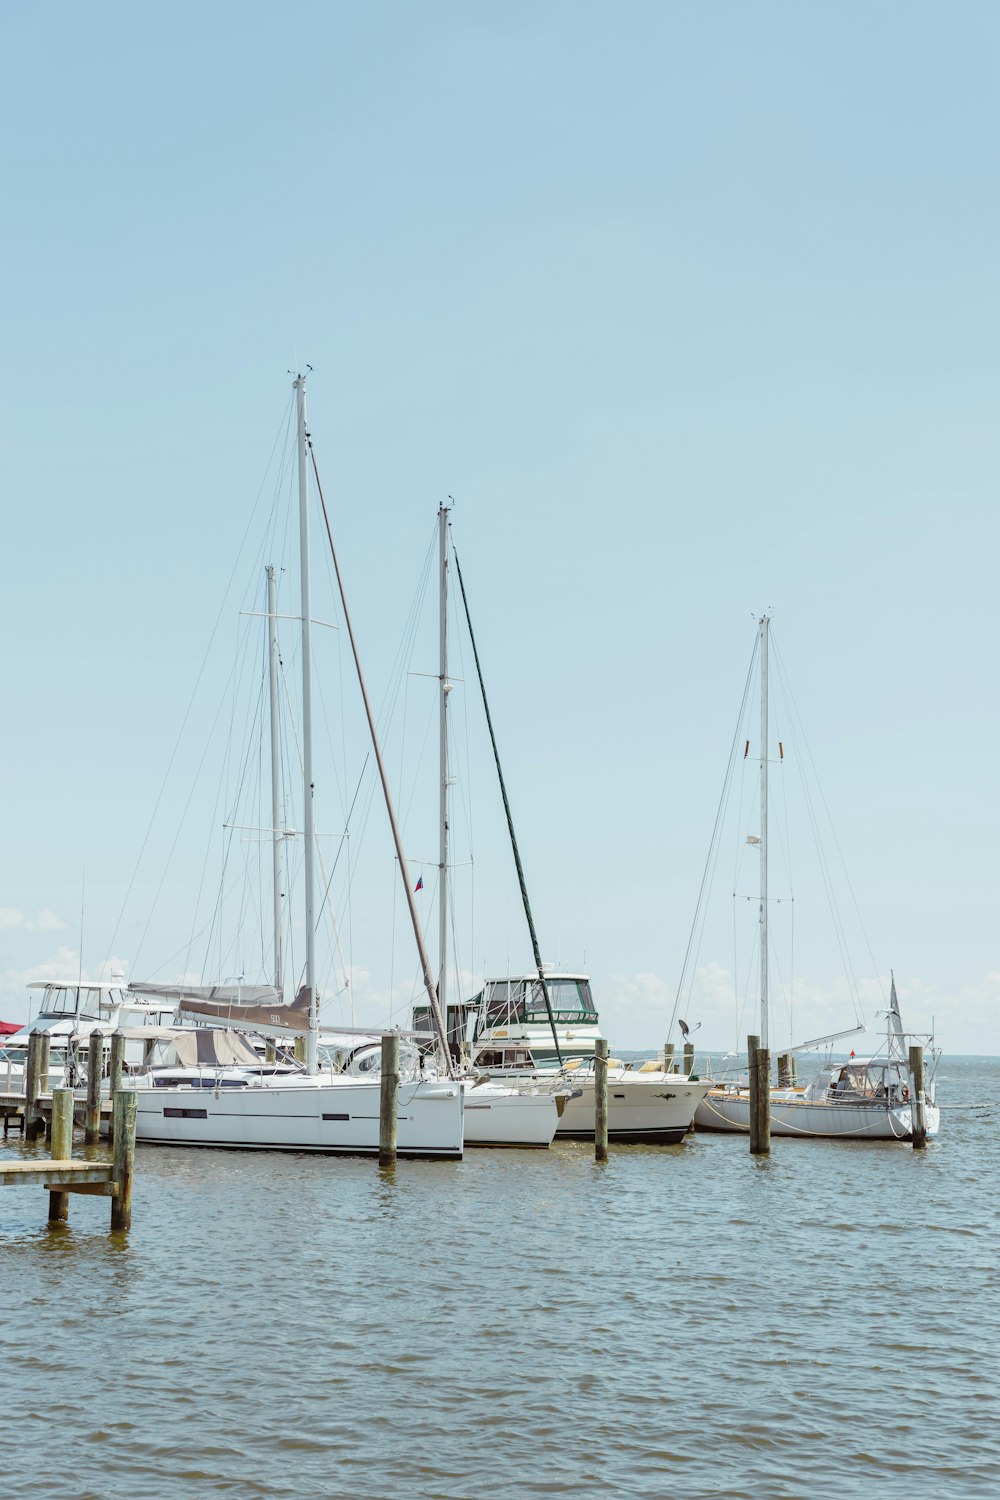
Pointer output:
512, 1030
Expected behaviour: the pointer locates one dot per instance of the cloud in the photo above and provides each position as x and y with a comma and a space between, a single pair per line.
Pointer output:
43, 920
635, 1010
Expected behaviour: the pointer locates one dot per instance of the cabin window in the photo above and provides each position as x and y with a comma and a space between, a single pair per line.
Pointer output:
570, 1000
185, 1114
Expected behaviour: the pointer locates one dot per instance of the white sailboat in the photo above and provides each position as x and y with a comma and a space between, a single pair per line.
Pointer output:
868, 1098
249, 1105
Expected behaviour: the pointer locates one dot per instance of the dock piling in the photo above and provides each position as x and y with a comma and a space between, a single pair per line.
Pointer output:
388, 1100
688, 1059
33, 1123
784, 1070
95, 1069
62, 1148
759, 1065
123, 1118
115, 1077
668, 1057
601, 1099
919, 1098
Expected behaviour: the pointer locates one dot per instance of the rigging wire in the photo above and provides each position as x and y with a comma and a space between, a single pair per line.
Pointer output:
194, 690
833, 828
708, 872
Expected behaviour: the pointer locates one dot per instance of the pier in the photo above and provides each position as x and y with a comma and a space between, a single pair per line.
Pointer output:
63, 1173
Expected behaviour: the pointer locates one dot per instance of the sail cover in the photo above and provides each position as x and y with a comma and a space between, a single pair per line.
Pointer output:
252, 1007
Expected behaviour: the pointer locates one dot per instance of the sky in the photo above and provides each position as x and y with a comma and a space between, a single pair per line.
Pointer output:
691, 307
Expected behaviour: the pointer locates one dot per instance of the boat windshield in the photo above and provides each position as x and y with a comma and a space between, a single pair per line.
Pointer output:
570, 1000
510, 1001
858, 1081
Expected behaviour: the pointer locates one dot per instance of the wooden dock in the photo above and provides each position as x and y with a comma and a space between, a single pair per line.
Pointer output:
63, 1174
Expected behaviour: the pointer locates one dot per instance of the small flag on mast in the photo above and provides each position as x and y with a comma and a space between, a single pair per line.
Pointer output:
419, 885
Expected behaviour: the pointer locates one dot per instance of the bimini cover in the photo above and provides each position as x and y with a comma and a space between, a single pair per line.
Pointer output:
206, 1047
255, 1007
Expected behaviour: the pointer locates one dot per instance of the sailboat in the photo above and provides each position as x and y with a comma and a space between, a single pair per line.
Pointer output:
866, 1098
516, 1036
249, 1104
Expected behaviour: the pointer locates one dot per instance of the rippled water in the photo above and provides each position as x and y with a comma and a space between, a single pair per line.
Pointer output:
684, 1321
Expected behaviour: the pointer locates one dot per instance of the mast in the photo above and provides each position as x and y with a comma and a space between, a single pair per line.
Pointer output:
763, 830
276, 829
510, 822
442, 987
404, 869
308, 820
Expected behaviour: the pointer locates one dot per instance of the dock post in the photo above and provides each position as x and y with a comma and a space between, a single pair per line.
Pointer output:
270, 1052
95, 1068
123, 1125
32, 1116
601, 1099
300, 1050
668, 1057
688, 1059
918, 1098
784, 1070
115, 1077
388, 1102
759, 1063
62, 1147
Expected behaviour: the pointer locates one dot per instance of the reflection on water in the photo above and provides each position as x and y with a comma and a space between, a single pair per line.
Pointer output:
685, 1321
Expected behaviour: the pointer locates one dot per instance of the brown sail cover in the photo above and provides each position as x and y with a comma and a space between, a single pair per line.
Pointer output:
252, 1007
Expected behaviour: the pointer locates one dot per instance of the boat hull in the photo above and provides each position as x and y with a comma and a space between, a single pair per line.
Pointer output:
497, 1116
338, 1117
728, 1111
657, 1108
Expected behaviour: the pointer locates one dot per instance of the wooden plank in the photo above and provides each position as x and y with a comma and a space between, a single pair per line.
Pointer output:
56, 1174
95, 1189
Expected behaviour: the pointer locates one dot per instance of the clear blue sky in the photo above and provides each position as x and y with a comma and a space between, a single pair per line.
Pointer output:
692, 306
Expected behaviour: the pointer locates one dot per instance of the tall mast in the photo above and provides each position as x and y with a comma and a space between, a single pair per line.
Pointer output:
510, 821
442, 987
763, 830
404, 870
308, 822
276, 829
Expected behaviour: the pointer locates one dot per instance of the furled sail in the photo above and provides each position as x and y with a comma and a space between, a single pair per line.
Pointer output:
251, 1007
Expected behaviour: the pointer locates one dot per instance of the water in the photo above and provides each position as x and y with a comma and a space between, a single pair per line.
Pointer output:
681, 1322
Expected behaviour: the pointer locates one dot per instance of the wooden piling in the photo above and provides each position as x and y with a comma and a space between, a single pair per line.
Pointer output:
300, 1050
95, 1069
270, 1052
784, 1070
115, 1077
918, 1098
688, 1059
759, 1064
388, 1102
33, 1123
62, 1148
123, 1118
668, 1057
601, 1099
